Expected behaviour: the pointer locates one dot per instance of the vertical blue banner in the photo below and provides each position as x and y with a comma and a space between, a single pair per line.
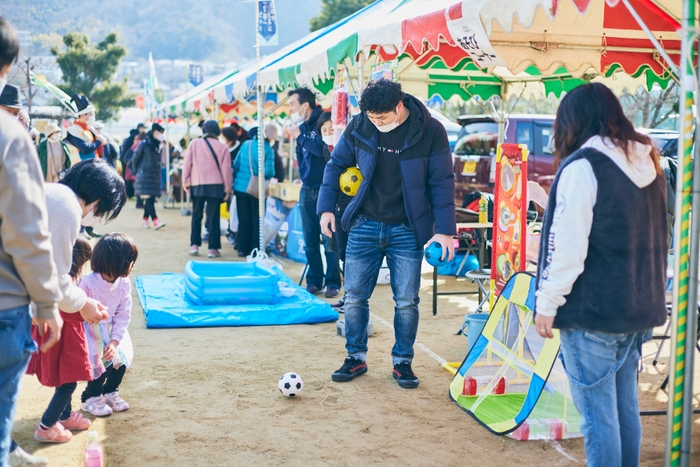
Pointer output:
267, 23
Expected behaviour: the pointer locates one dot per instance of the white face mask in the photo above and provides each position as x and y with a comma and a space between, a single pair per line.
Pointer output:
389, 126
91, 119
55, 138
298, 117
160, 137
329, 140
90, 220
3, 82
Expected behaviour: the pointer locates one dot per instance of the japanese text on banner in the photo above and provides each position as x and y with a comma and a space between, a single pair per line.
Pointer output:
267, 23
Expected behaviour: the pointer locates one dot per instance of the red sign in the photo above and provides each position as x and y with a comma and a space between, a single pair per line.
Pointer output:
509, 215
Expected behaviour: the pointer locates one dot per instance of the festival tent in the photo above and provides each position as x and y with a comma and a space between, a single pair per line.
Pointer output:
511, 380
432, 65
428, 33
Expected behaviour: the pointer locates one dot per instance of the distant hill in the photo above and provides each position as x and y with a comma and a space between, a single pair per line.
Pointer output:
216, 30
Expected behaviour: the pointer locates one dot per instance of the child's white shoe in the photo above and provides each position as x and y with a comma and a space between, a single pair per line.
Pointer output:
115, 402
96, 406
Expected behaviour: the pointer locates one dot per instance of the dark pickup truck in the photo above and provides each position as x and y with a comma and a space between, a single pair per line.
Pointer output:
473, 157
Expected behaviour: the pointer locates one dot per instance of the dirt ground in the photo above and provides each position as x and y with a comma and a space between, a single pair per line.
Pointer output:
209, 397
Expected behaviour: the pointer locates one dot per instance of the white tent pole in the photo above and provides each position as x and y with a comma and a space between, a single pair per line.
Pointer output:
261, 133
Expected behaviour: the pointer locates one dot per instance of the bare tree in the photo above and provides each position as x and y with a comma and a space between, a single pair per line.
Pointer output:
649, 109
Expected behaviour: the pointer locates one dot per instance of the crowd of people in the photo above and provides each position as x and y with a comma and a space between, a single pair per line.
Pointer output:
608, 180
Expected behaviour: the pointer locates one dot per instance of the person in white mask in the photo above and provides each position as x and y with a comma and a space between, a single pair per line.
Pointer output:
54, 155
312, 162
82, 134
406, 201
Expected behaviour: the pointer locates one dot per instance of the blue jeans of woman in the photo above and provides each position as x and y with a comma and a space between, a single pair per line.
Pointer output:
602, 370
16, 346
369, 241
311, 224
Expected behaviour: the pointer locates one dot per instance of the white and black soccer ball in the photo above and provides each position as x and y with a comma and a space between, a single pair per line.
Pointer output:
290, 384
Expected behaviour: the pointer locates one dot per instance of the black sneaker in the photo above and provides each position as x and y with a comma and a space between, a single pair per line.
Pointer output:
405, 376
351, 369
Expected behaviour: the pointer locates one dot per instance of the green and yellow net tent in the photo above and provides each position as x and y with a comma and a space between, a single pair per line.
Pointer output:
511, 381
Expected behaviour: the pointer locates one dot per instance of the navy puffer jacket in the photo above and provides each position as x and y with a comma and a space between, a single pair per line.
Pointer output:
426, 172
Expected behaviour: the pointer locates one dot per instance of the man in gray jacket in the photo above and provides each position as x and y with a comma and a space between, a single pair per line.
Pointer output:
27, 271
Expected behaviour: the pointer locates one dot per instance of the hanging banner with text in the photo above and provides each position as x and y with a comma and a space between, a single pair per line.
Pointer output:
509, 215
469, 34
267, 23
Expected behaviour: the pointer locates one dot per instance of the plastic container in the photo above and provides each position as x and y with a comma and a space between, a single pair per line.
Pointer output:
547, 429
286, 290
475, 324
476, 385
93, 457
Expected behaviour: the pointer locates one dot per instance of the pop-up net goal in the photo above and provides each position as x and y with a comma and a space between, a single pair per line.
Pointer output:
511, 381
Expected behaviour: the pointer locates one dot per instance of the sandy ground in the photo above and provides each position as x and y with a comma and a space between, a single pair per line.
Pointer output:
209, 397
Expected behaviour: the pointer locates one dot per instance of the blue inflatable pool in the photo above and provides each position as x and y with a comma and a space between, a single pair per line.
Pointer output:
229, 283
165, 306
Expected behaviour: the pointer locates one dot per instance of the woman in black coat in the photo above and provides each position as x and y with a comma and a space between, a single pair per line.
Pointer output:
147, 164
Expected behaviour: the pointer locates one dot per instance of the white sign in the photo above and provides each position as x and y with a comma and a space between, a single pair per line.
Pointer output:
469, 34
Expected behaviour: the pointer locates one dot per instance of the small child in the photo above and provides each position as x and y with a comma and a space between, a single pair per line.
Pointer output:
109, 345
63, 365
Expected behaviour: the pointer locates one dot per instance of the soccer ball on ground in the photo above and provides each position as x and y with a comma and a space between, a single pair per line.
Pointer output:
350, 181
290, 384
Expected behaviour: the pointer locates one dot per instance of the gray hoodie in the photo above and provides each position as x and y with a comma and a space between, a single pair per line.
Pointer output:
27, 271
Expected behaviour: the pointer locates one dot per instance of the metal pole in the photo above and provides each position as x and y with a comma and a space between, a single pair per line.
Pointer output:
167, 160
261, 134
679, 421
360, 73
292, 158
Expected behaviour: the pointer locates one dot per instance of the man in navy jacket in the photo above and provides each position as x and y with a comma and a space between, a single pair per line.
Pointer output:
405, 201
312, 162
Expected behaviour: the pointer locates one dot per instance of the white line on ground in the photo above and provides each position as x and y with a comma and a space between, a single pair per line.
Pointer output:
424, 348
561, 451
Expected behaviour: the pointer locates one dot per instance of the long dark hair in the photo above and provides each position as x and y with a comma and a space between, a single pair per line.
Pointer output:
590, 110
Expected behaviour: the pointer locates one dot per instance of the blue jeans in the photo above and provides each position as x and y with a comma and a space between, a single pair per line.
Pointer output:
16, 346
602, 369
369, 242
311, 224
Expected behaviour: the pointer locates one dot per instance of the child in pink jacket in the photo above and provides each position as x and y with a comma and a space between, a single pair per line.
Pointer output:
109, 346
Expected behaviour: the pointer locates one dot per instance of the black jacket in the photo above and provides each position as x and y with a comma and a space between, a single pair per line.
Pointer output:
147, 164
426, 172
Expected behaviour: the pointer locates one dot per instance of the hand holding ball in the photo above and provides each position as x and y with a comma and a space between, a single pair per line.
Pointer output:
434, 255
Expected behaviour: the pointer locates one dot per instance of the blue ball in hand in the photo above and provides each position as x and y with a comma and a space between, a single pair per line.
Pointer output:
433, 255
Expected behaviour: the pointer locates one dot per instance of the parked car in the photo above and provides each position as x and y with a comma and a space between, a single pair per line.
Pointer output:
666, 141
473, 156
451, 127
